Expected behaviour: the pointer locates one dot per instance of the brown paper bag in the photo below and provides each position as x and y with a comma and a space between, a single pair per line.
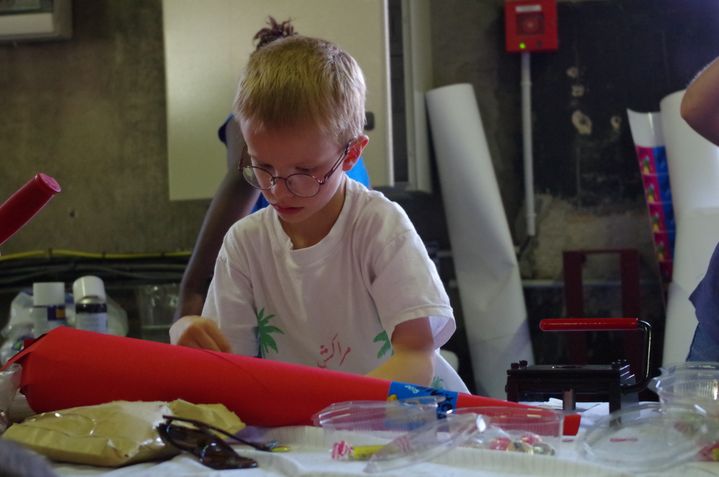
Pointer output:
112, 434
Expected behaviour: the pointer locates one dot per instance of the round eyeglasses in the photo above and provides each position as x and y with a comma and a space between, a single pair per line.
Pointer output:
299, 184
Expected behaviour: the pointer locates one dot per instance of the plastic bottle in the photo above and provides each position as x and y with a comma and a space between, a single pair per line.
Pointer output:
90, 304
48, 309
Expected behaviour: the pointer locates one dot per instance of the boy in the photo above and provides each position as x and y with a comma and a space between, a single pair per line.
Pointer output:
331, 275
234, 198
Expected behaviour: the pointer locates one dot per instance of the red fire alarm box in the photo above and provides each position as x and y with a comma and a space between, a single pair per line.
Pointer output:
530, 25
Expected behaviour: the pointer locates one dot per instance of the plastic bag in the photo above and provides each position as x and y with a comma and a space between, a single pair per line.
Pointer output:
9, 383
112, 434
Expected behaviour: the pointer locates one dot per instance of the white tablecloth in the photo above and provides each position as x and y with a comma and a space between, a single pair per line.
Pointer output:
310, 456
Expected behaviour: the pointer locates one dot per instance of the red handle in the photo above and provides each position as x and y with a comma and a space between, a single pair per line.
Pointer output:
25, 203
588, 324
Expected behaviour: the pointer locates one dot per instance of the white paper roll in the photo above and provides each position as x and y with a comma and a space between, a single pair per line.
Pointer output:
694, 174
646, 128
495, 315
693, 161
680, 325
697, 235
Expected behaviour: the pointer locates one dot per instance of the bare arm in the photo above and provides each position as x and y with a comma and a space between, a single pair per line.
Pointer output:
413, 359
700, 104
232, 201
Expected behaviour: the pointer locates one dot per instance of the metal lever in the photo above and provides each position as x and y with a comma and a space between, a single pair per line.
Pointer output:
607, 324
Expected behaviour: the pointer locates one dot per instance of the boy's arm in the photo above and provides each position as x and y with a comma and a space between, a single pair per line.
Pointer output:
700, 104
413, 359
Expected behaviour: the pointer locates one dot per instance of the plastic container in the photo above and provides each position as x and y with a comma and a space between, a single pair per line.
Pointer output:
365, 423
427, 442
531, 430
690, 366
689, 386
647, 437
156, 307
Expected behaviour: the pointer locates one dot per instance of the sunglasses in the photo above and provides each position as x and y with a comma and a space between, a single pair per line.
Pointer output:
202, 440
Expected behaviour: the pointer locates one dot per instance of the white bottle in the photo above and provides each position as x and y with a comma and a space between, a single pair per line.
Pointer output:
90, 304
48, 311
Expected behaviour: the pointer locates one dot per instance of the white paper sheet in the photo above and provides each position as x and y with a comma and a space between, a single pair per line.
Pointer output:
495, 315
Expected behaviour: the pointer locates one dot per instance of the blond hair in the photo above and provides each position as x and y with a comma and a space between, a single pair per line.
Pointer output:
299, 80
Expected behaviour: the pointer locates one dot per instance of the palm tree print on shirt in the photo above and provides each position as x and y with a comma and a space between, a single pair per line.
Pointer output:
264, 333
437, 383
386, 344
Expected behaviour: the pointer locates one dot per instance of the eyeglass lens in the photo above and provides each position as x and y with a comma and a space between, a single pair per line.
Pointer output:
302, 185
218, 455
211, 450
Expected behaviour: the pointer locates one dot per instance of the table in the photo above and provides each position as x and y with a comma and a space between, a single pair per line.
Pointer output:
310, 457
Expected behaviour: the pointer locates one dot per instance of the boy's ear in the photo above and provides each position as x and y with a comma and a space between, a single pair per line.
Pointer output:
354, 152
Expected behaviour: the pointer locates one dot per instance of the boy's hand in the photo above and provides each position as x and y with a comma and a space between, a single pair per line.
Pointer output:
198, 332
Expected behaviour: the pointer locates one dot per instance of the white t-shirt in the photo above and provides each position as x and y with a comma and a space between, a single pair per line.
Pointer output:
335, 304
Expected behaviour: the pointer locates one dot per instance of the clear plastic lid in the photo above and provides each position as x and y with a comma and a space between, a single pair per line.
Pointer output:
689, 387
423, 444
690, 366
648, 437
401, 415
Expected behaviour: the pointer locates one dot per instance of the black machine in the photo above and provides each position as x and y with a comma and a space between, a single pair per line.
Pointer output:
614, 383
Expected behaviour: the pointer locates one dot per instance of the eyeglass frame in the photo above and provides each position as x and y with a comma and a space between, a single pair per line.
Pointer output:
274, 179
199, 450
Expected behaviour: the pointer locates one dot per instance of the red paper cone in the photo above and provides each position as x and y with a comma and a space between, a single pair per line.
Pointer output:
68, 367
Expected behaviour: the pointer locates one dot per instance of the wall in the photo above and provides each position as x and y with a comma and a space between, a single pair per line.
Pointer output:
614, 55
91, 113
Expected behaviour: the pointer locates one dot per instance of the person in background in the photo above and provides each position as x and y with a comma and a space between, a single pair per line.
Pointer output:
234, 199
700, 109
332, 275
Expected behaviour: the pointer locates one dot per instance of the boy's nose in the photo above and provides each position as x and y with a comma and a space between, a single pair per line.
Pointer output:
280, 190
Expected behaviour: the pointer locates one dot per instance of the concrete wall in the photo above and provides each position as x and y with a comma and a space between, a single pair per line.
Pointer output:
91, 113
613, 55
